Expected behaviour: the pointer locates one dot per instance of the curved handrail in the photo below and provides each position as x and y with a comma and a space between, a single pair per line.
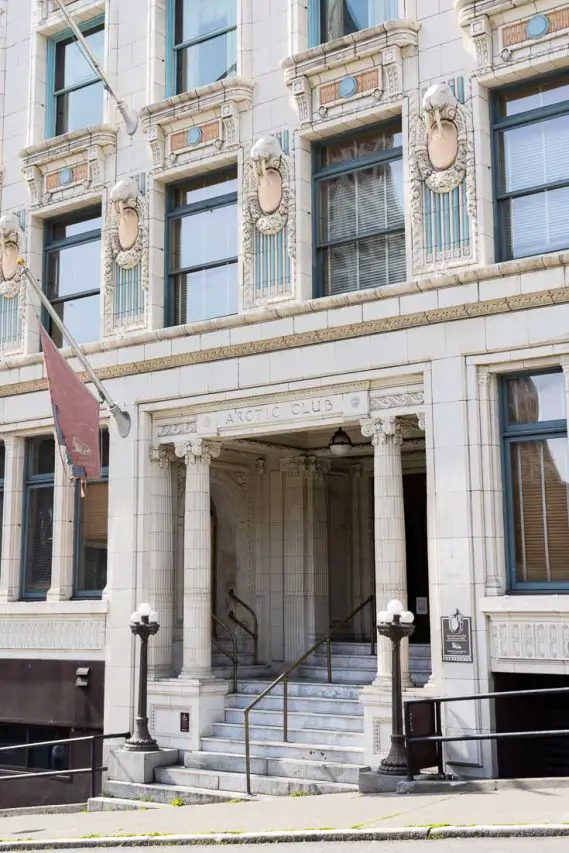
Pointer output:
283, 677
254, 633
234, 658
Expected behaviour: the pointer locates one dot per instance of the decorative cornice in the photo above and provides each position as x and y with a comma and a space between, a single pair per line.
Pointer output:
74, 142
395, 401
169, 430
466, 311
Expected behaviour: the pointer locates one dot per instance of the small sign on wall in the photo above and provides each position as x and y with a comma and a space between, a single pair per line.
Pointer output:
422, 606
184, 721
456, 632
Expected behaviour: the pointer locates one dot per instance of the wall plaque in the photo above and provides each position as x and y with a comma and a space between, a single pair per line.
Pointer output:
184, 721
456, 632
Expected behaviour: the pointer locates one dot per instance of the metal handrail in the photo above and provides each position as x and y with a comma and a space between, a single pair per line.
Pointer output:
93, 769
254, 633
283, 677
234, 658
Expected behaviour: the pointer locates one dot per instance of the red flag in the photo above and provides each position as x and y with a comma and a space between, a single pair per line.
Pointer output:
75, 410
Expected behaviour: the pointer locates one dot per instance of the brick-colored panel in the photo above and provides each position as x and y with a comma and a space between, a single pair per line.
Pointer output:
365, 82
517, 33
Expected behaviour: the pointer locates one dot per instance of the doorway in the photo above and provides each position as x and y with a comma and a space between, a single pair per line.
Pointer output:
415, 504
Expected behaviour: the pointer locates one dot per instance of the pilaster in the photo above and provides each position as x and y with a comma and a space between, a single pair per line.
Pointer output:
12, 521
197, 455
389, 533
317, 549
261, 522
63, 554
295, 635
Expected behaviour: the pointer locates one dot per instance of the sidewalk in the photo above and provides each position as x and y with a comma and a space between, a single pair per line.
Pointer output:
515, 807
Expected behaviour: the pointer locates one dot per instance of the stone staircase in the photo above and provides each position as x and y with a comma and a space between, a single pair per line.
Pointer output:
419, 663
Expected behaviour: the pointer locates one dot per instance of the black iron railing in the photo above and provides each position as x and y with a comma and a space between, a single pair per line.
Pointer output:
233, 656
254, 631
93, 769
424, 737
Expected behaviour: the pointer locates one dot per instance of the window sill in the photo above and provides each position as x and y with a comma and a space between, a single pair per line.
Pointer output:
67, 166
527, 602
357, 75
212, 115
41, 607
500, 38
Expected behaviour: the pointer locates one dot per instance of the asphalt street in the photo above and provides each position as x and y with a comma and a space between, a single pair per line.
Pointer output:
476, 845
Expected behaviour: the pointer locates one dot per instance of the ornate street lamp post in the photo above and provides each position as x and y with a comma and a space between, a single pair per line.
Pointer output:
396, 624
143, 624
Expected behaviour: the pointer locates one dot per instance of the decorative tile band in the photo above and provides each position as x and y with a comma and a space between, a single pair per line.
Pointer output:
67, 177
347, 87
196, 135
487, 308
536, 640
535, 27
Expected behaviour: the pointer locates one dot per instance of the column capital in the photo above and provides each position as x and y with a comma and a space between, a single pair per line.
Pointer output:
260, 465
294, 466
162, 453
197, 448
316, 468
382, 431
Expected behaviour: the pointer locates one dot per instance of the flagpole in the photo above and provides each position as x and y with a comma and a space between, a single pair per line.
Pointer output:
121, 417
130, 118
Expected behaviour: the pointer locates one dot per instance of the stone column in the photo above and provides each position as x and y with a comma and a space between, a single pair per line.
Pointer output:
261, 523
12, 522
389, 523
294, 554
317, 615
63, 554
197, 454
158, 556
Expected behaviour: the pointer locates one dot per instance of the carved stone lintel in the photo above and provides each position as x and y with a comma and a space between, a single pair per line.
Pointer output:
196, 448
382, 430
182, 428
394, 401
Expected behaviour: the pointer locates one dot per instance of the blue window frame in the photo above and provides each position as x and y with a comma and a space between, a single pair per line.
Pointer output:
332, 19
535, 454
38, 517
72, 274
531, 167
91, 530
202, 43
359, 219
74, 90
2, 469
202, 249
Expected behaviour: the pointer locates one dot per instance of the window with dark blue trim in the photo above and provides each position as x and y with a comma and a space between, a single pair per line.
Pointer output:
202, 249
202, 37
531, 168
75, 91
38, 516
332, 19
536, 477
2, 470
72, 274
359, 214
91, 530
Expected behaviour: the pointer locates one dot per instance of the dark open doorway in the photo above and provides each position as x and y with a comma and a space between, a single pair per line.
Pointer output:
415, 502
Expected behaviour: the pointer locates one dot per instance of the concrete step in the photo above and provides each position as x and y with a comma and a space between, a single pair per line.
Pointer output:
351, 649
314, 704
321, 737
300, 688
420, 680
294, 768
253, 671
166, 792
360, 662
420, 650
280, 749
219, 659
182, 777
339, 675
298, 720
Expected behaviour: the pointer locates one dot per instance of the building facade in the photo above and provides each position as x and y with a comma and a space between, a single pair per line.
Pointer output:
331, 292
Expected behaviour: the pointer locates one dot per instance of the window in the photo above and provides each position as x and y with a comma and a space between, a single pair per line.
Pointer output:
73, 274
360, 225
332, 19
202, 255
536, 465
204, 43
38, 516
34, 757
91, 529
531, 139
75, 96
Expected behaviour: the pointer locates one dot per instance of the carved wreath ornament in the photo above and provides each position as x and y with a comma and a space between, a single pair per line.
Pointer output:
441, 146
267, 186
11, 247
126, 227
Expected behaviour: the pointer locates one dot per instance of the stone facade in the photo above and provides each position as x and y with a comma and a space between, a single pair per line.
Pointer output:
242, 407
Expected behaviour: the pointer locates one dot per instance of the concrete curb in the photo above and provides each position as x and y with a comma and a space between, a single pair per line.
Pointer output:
418, 833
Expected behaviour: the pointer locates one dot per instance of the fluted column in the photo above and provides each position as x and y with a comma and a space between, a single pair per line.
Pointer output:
197, 454
158, 556
63, 555
294, 555
389, 533
316, 549
12, 522
261, 524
